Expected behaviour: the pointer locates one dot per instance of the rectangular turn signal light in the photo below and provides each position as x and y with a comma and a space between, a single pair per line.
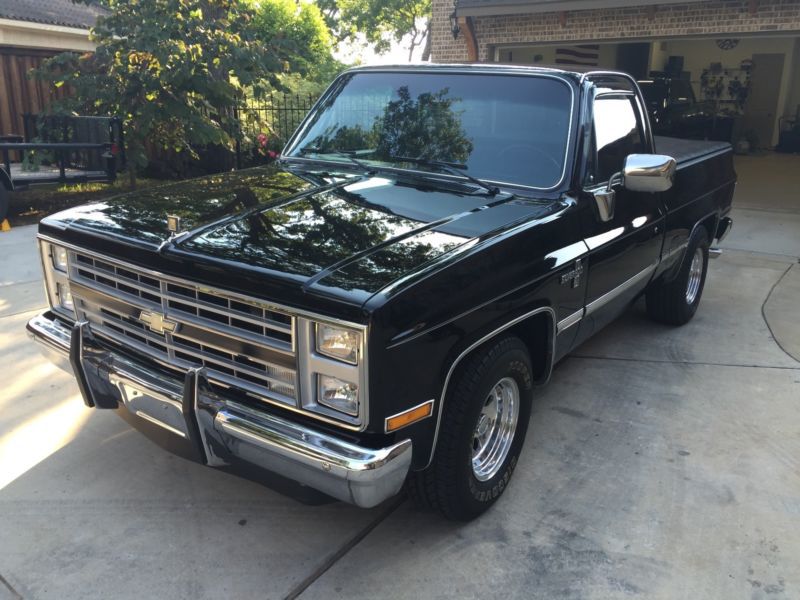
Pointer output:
412, 415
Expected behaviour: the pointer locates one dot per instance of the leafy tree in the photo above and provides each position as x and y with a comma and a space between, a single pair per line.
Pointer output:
426, 127
380, 21
340, 30
171, 68
299, 34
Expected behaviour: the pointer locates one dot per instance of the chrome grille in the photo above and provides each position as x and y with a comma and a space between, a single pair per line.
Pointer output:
242, 342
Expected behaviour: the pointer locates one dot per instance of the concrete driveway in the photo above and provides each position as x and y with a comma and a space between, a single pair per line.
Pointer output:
660, 463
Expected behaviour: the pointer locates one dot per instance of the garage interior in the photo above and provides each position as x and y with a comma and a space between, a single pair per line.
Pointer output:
752, 81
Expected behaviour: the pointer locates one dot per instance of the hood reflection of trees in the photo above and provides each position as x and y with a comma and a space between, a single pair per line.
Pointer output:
319, 231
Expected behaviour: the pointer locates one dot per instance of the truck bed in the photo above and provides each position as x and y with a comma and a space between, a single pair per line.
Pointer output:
684, 151
704, 182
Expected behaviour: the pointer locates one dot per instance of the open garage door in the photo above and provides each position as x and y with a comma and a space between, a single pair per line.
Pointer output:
761, 108
751, 82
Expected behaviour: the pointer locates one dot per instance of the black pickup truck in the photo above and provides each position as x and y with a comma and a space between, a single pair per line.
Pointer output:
379, 306
674, 110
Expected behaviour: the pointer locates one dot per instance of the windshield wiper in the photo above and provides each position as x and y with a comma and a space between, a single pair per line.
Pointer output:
348, 154
450, 167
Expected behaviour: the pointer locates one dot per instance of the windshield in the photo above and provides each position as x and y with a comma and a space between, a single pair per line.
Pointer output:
502, 128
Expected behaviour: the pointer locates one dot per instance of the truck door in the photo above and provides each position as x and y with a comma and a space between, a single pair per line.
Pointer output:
625, 248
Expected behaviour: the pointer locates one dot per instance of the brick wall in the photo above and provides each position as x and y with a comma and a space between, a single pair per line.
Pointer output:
717, 17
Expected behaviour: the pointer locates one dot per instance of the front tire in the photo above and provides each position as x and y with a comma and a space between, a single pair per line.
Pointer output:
481, 435
675, 302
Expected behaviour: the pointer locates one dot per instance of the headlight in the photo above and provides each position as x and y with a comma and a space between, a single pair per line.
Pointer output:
338, 342
59, 254
337, 394
332, 363
64, 297
55, 262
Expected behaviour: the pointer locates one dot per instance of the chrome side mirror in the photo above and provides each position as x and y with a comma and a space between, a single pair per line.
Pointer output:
641, 173
648, 172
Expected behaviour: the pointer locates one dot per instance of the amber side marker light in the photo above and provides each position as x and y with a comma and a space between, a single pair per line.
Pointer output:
407, 417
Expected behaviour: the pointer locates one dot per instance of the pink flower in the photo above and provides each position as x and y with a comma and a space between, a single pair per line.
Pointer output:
272, 153
262, 139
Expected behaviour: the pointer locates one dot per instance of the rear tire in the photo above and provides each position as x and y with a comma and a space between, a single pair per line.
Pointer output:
481, 435
676, 301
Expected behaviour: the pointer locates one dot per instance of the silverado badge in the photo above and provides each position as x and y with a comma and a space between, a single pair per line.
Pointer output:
573, 275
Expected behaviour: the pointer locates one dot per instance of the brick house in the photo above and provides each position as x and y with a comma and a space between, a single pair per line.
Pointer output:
31, 31
710, 43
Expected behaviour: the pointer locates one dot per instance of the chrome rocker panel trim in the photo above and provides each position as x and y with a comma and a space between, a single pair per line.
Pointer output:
351, 473
600, 302
569, 321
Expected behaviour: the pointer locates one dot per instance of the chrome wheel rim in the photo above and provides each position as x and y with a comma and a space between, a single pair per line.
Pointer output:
695, 276
494, 432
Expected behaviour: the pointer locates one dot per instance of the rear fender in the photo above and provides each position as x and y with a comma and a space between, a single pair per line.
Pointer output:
710, 223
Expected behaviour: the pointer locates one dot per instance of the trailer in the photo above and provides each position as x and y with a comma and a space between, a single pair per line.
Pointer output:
60, 150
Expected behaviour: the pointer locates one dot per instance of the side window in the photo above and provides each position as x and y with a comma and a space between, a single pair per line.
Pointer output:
616, 134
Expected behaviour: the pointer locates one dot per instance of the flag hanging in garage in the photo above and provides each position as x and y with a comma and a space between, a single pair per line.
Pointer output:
583, 55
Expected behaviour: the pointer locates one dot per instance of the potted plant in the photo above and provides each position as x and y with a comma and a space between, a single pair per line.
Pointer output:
738, 92
747, 142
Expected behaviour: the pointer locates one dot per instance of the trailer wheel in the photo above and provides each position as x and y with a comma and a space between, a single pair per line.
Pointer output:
5, 196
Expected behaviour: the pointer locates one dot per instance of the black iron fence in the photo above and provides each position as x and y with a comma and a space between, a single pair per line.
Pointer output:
267, 124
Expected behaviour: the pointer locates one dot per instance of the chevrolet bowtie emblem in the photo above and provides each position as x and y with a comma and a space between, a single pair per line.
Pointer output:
157, 322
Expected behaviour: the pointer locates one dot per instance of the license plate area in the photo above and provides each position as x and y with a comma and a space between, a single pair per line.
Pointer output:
108, 380
162, 408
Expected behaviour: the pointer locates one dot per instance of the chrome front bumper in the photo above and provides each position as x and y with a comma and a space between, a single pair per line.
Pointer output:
219, 428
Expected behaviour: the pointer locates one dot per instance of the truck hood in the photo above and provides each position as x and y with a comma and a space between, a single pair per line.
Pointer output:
348, 234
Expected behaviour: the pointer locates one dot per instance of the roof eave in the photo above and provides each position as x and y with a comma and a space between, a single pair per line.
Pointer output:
487, 8
80, 30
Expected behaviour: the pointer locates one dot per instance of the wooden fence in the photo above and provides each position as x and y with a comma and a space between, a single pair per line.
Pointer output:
18, 93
